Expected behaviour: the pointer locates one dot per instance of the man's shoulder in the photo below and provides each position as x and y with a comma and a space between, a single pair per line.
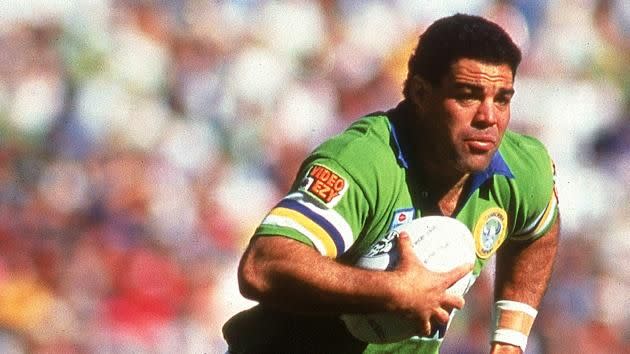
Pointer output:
524, 154
364, 155
368, 137
369, 128
534, 207
523, 143
531, 167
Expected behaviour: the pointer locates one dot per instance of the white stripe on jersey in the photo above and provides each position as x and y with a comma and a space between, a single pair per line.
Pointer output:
331, 215
290, 223
532, 231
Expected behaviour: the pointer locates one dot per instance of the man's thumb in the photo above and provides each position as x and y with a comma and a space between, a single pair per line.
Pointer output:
404, 247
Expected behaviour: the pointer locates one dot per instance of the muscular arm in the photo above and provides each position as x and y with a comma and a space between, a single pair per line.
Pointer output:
523, 271
287, 274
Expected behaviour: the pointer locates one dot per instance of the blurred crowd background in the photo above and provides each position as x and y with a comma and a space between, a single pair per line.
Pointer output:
141, 142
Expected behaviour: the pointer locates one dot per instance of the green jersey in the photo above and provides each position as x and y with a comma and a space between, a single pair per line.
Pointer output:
353, 189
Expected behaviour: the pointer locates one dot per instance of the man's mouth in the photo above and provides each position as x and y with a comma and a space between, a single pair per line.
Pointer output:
481, 144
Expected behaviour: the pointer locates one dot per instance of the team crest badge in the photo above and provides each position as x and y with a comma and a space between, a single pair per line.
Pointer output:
325, 185
490, 231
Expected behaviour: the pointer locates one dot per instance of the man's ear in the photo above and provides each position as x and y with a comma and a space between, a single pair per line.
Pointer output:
419, 91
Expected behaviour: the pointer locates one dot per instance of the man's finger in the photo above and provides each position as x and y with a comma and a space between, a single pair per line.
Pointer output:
452, 301
405, 249
442, 316
426, 328
404, 242
457, 273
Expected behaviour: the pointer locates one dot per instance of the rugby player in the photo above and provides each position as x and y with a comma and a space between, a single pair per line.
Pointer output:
444, 150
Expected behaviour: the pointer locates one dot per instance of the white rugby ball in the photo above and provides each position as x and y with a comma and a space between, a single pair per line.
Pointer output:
441, 243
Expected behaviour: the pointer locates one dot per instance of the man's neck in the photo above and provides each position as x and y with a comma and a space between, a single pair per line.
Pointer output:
443, 184
447, 203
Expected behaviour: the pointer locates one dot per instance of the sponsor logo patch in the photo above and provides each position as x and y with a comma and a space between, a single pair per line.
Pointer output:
325, 185
402, 216
490, 231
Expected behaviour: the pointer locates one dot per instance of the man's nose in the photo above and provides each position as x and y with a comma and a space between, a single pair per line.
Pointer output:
486, 114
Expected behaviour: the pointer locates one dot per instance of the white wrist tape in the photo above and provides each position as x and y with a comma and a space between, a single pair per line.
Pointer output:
512, 322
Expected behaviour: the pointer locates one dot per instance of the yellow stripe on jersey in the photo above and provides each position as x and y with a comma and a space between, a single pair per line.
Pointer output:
314, 230
544, 221
548, 216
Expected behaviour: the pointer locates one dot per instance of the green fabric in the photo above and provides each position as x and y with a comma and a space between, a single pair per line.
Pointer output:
513, 199
411, 346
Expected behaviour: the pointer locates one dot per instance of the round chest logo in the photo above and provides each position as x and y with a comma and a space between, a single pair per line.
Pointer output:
490, 231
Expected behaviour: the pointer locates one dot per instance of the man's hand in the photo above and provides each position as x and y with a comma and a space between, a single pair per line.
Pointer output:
502, 348
420, 293
287, 274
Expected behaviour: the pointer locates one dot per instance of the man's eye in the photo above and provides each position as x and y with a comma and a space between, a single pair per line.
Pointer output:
503, 100
467, 96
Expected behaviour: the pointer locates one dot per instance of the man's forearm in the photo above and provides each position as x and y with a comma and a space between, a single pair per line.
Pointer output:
288, 274
522, 276
523, 270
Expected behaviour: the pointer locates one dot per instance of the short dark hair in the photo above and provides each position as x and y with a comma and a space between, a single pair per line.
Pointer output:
460, 36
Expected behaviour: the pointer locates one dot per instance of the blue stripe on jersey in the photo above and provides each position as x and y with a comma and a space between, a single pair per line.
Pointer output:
319, 220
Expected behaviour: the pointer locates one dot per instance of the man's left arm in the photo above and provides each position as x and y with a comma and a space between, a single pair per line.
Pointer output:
523, 270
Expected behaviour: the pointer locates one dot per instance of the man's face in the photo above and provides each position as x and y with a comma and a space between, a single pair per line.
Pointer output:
467, 114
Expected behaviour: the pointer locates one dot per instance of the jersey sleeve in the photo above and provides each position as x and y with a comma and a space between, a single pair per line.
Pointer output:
325, 209
538, 199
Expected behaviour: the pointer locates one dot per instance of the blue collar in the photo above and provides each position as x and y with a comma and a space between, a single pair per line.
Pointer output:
497, 166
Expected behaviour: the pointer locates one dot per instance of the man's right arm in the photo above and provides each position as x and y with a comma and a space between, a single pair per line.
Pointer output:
287, 274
